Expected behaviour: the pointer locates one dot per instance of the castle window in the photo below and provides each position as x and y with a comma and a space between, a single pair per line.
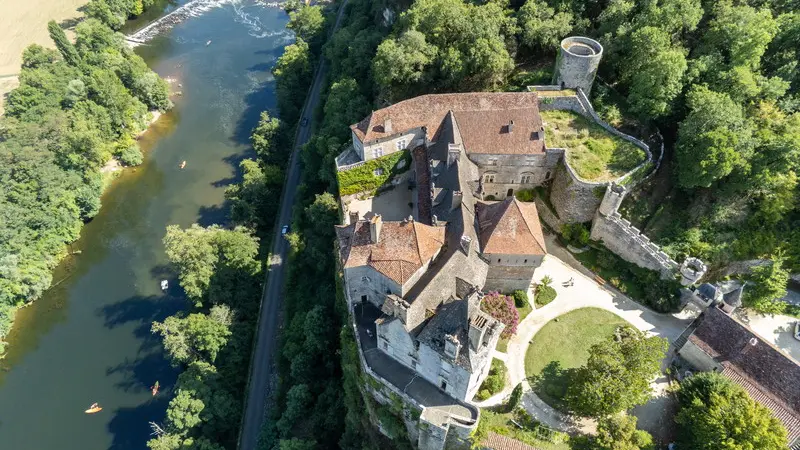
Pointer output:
526, 261
401, 144
488, 178
547, 175
526, 179
414, 364
377, 152
498, 259
377, 172
492, 162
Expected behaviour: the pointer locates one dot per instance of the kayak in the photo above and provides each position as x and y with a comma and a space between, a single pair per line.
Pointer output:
94, 408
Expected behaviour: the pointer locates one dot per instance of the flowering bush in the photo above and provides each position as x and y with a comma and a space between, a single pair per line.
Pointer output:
501, 307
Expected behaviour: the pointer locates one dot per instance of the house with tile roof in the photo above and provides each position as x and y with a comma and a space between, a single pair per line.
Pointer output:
720, 343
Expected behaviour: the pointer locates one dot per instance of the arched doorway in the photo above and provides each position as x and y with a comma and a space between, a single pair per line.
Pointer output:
510, 193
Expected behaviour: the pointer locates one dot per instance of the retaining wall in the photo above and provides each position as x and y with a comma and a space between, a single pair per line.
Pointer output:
574, 199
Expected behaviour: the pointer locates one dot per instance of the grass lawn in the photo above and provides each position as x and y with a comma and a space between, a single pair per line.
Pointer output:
592, 152
563, 343
502, 344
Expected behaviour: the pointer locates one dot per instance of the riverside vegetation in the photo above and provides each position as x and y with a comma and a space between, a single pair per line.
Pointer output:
76, 107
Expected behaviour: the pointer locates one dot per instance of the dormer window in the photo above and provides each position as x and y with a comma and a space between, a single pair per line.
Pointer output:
401, 144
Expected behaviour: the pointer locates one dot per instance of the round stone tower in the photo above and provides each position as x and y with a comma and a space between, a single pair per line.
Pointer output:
576, 66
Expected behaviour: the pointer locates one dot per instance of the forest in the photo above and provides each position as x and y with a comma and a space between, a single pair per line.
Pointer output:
77, 106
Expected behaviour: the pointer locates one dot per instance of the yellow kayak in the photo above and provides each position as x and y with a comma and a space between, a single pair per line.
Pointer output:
93, 409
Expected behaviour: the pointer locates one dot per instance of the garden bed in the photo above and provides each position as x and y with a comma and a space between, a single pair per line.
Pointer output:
592, 152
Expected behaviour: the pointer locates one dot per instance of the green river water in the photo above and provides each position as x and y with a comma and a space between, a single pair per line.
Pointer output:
88, 338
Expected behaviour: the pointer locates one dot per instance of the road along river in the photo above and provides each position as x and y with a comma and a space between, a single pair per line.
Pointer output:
88, 338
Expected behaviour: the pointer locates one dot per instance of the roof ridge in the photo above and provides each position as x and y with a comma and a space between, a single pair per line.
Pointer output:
416, 241
525, 219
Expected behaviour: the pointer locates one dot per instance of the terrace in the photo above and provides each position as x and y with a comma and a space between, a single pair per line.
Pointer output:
592, 152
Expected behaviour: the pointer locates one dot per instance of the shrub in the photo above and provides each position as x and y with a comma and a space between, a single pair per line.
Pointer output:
544, 295
495, 381
131, 156
520, 299
501, 307
576, 234
526, 195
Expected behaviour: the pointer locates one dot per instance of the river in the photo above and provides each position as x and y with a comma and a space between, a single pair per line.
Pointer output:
88, 338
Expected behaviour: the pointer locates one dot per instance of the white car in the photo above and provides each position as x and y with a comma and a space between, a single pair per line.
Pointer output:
797, 330
284, 230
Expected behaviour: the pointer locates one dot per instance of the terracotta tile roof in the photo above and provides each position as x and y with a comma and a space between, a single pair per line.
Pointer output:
485, 111
510, 227
764, 371
402, 248
488, 131
495, 441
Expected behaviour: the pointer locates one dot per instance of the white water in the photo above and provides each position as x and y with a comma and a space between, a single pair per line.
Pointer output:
195, 8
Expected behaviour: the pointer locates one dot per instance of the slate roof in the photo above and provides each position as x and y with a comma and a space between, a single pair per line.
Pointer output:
764, 371
708, 290
734, 297
402, 248
510, 227
451, 318
485, 114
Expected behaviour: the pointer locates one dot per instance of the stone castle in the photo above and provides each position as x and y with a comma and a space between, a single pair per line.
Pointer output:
414, 284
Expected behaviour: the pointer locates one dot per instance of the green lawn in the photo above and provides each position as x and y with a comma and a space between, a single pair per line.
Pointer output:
364, 179
594, 153
564, 343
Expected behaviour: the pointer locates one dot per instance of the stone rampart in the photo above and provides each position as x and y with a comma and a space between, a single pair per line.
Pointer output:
547, 215
575, 199
625, 240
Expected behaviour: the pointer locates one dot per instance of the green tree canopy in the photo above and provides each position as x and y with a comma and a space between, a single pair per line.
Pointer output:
196, 336
716, 414
618, 374
655, 72
541, 26
618, 432
712, 140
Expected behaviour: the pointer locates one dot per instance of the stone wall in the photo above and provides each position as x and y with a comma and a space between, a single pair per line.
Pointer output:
625, 240
435, 369
575, 200
413, 138
548, 216
509, 278
367, 281
507, 171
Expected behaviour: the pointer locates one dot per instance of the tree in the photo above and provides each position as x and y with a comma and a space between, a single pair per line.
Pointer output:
36, 56
716, 414
63, 44
403, 61
618, 432
196, 336
713, 139
541, 26
618, 374
308, 23
769, 286
741, 34
268, 140
297, 444
655, 72
292, 74
501, 307
195, 256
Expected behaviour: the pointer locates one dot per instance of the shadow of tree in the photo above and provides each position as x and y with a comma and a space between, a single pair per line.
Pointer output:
130, 426
552, 383
260, 99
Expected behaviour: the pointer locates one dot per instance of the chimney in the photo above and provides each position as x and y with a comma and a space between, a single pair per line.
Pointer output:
750, 344
457, 196
466, 243
375, 225
451, 346
353, 216
453, 153
387, 125
477, 328
511, 126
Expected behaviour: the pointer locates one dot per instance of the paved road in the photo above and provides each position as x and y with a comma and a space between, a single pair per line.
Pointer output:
261, 369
